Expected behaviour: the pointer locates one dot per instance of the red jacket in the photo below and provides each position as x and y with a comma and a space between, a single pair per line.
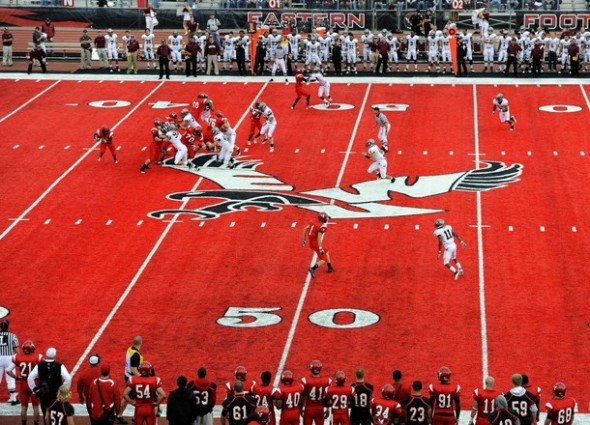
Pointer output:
84, 381
111, 396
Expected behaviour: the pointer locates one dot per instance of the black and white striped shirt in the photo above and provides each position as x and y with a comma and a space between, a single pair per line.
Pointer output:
8, 343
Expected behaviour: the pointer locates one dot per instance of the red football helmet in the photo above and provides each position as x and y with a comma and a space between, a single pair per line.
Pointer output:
145, 368
203, 96
388, 392
316, 367
158, 122
262, 414
323, 217
559, 390
240, 373
220, 114
287, 377
444, 374
105, 130
340, 377
28, 347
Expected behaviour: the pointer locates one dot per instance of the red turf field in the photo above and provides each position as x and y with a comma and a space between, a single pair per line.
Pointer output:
86, 268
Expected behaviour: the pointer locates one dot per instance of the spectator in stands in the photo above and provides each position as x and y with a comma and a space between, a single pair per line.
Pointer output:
212, 50
149, 16
192, 27
132, 51
85, 50
7, 39
100, 43
49, 29
163, 54
37, 54
213, 27
186, 17
496, 4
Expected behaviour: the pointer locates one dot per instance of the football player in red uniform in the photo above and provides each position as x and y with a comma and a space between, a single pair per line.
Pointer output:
360, 409
148, 394
263, 394
385, 409
23, 363
417, 408
338, 399
205, 392
261, 416
289, 399
157, 151
104, 136
483, 404
444, 396
402, 391
300, 88
315, 233
561, 409
255, 125
204, 108
536, 391
314, 392
241, 374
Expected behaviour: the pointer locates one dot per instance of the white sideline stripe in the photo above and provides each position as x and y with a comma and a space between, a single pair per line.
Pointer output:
74, 165
29, 101
585, 96
303, 295
482, 295
149, 257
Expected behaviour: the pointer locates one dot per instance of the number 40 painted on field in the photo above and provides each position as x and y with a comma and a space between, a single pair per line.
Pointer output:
253, 317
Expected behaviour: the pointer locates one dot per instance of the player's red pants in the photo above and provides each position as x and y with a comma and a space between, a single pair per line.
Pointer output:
145, 414
290, 417
25, 394
313, 413
443, 420
340, 418
255, 127
301, 91
314, 245
155, 151
103, 148
481, 421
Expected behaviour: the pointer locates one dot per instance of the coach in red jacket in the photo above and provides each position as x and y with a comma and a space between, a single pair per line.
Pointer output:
104, 398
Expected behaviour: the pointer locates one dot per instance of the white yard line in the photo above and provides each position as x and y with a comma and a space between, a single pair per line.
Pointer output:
303, 295
146, 262
29, 101
585, 96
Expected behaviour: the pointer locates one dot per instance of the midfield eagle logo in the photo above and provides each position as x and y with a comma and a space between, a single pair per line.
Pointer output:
244, 188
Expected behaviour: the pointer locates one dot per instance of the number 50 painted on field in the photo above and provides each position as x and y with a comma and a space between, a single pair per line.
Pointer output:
254, 317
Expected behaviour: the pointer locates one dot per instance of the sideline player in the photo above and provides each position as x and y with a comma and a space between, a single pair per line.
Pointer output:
315, 386
483, 402
379, 165
501, 103
104, 135
338, 399
148, 48
561, 409
316, 234
24, 363
384, 128
445, 399
446, 237
152, 394
112, 49
289, 399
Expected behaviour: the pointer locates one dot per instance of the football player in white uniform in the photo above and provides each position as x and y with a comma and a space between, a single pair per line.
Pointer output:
468, 38
445, 42
174, 137
379, 164
446, 238
384, 127
112, 49
280, 54
175, 43
489, 43
148, 48
270, 125
501, 103
349, 45
294, 40
433, 44
393, 49
324, 87
312, 52
411, 41
366, 40
504, 41
229, 51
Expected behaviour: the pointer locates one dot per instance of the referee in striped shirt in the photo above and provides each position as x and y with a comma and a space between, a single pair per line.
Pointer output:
8, 348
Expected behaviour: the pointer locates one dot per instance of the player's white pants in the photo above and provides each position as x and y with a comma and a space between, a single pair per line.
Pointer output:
446, 55
468, 55
181, 153
380, 165
351, 57
268, 128
484, 25
325, 55
433, 56
505, 116
324, 91
366, 53
393, 56
294, 53
450, 253
281, 63
411, 55
148, 54
228, 55
488, 54
502, 56
6, 361
204, 420
226, 151
175, 56
383, 135
112, 53
315, 59
587, 55
565, 58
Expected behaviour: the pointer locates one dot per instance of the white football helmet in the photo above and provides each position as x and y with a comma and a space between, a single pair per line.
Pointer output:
439, 223
370, 143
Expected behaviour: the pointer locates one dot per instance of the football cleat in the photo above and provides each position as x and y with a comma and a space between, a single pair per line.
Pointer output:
240, 373
145, 369
311, 272
287, 377
340, 377
457, 274
559, 390
444, 374
315, 366
388, 392
439, 223
28, 347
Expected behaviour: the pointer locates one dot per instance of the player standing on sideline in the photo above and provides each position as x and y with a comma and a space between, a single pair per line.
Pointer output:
270, 125
501, 103
148, 48
300, 90
324, 87
237, 406
316, 234
503, 415
402, 391
412, 50
112, 49
175, 43
60, 412
522, 401
445, 399
339, 398
483, 403
446, 237
384, 128
205, 392
152, 394
385, 409
8, 348
379, 164
536, 391
314, 390
86, 378
104, 135
360, 409
561, 409
241, 375
263, 393
289, 399
418, 409
25, 362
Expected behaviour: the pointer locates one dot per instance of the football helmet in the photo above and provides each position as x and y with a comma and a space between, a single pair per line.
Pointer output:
316, 366
240, 373
158, 122
4, 325
173, 115
444, 374
340, 377
287, 377
105, 130
262, 414
219, 114
28, 347
203, 96
184, 112
370, 142
439, 223
499, 97
324, 218
367, 31
559, 390
260, 105
388, 392
145, 368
